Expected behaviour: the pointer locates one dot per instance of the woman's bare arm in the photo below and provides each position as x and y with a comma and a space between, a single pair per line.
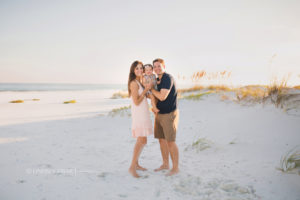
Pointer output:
144, 81
137, 99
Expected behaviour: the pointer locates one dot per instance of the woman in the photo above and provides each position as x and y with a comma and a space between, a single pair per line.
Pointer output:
141, 125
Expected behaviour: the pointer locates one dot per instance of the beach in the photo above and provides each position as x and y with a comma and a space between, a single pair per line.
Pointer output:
51, 150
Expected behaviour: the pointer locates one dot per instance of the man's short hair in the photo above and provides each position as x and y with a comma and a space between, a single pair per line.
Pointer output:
159, 60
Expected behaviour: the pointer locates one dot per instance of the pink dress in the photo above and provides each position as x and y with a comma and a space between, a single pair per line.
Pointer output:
141, 123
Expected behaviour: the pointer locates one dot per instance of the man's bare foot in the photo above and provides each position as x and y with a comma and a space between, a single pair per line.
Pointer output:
132, 171
172, 172
162, 168
138, 167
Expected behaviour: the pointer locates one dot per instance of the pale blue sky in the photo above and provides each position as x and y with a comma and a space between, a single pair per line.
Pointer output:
96, 41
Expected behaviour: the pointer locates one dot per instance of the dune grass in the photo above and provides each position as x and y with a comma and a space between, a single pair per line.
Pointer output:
199, 145
23, 100
17, 101
122, 111
71, 101
291, 160
120, 95
196, 96
192, 89
219, 88
297, 87
277, 87
250, 93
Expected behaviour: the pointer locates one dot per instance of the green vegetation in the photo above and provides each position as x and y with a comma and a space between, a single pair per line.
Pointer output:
290, 161
120, 95
196, 96
297, 87
122, 111
200, 145
71, 101
17, 101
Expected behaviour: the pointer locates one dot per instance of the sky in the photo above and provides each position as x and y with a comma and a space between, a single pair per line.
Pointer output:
96, 41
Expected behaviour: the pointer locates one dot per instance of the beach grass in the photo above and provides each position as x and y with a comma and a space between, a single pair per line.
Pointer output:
71, 101
250, 93
297, 87
290, 160
191, 89
199, 145
219, 88
196, 96
17, 101
122, 111
120, 95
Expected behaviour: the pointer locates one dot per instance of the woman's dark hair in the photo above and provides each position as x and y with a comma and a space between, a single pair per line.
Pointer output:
132, 75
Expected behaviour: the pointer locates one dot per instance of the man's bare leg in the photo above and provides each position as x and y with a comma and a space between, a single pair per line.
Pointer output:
174, 156
165, 155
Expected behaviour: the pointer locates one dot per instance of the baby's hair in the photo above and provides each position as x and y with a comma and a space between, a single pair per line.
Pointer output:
148, 65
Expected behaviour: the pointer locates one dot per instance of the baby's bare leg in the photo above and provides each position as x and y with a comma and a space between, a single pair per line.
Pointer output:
153, 103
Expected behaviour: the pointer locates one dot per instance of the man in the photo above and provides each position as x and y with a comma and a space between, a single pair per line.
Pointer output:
166, 120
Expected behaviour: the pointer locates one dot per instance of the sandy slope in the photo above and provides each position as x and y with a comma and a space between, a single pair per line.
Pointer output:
246, 144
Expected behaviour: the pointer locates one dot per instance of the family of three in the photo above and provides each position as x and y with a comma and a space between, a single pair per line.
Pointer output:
143, 84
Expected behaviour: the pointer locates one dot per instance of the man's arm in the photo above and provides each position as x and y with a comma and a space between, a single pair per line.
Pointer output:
162, 94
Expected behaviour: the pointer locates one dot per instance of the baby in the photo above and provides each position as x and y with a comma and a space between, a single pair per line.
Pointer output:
149, 77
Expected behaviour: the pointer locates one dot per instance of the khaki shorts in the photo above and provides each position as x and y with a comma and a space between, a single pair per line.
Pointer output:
165, 125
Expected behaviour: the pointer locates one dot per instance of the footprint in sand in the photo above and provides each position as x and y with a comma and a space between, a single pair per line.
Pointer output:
21, 181
214, 189
44, 166
102, 175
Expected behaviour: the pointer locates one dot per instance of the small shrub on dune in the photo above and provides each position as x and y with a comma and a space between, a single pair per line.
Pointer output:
251, 94
120, 95
192, 89
277, 87
17, 101
120, 111
219, 88
277, 91
196, 96
224, 97
200, 145
290, 161
297, 87
35, 99
71, 101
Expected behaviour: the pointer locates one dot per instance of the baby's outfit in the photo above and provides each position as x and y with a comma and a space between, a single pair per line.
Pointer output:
151, 79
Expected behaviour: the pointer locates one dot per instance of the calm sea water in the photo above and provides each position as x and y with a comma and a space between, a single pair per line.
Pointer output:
58, 87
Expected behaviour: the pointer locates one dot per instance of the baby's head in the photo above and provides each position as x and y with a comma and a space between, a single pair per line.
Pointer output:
148, 69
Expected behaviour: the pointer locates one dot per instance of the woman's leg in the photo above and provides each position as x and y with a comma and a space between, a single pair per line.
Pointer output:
138, 167
140, 143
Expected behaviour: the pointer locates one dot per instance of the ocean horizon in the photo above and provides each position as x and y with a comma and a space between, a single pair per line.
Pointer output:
22, 87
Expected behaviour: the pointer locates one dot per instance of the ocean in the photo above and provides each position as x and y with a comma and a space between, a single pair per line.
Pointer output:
20, 87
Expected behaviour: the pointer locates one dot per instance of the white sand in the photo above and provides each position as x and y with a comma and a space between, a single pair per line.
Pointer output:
72, 152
